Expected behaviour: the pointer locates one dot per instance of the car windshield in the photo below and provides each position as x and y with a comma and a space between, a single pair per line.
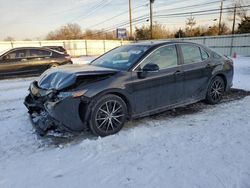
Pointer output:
121, 58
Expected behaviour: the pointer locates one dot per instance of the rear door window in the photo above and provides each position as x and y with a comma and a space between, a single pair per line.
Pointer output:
192, 54
39, 53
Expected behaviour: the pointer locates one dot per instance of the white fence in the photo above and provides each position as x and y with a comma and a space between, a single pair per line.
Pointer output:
74, 47
226, 44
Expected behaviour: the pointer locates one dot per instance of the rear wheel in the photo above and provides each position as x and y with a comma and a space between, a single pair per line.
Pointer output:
54, 65
215, 91
108, 115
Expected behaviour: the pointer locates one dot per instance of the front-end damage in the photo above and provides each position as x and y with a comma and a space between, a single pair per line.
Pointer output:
58, 99
56, 110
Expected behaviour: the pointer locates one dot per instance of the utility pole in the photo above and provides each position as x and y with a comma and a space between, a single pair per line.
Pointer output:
130, 19
151, 18
233, 29
221, 9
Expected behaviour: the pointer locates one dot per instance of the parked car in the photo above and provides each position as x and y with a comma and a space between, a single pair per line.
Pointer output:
30, 61
128, 82
57, 48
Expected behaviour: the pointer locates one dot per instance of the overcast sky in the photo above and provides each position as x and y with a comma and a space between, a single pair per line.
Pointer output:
35, 18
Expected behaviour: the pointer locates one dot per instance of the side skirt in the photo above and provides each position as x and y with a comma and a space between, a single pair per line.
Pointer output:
165, 108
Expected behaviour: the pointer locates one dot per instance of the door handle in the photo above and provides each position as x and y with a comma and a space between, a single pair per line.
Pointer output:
209, 65
178, 72
24, 60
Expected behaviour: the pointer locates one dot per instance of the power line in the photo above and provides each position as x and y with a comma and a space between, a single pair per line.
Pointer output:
145, 15
94, 8
111, 18
196, 13
190, 6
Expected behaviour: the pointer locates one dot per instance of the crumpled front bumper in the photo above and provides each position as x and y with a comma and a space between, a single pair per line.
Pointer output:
62, 115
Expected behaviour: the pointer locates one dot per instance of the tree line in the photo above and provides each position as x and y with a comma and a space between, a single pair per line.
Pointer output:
160, 31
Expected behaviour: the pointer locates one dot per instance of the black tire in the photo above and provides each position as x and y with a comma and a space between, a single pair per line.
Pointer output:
108, 115
215, 90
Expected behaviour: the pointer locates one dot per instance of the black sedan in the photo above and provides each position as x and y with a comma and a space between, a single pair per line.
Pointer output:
30, 61
128, 82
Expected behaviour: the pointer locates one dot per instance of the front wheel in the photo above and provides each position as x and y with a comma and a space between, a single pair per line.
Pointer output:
108, 115
215, 90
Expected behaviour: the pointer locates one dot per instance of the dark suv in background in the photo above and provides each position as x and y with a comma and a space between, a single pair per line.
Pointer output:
30, 61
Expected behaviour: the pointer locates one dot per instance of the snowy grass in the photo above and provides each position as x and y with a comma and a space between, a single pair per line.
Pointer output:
209, 148
242, 73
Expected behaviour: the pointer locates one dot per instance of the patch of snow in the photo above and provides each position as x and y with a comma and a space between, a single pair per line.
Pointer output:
242, 73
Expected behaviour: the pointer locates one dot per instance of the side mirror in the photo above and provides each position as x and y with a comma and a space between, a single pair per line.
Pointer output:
151, 67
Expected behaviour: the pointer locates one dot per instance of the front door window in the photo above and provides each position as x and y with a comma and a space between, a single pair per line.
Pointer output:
165, 57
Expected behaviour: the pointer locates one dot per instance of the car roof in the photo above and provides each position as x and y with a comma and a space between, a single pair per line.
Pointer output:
28, 48
53, 46
155, 43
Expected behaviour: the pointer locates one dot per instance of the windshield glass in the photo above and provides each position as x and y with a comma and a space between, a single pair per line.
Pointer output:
122, 57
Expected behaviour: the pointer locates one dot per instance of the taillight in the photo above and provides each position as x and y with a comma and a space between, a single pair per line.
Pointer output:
230, 62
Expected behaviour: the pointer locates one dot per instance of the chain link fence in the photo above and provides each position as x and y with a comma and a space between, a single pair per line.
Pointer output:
74, 47
226, 44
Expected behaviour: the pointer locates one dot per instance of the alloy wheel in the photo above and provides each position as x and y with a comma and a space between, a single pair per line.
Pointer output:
110, 116
217, 90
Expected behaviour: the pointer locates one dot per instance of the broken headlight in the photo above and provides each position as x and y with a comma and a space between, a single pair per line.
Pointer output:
73, 94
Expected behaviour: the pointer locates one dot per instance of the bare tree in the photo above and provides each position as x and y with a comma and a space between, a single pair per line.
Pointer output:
190, 22
99, 34
190, 26
241, 11
9, 39
67, 32
159, 32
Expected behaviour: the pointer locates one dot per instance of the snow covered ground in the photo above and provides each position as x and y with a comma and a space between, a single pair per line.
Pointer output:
209, 148
242, 72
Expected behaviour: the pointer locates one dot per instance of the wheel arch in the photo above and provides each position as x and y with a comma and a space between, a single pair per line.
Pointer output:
126, 100
87, 107
120, 93
223, 76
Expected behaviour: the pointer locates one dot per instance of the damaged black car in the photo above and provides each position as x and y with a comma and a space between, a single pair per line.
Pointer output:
127, 82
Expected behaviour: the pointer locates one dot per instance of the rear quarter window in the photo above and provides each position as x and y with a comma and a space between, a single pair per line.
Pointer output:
204, 54
217, 56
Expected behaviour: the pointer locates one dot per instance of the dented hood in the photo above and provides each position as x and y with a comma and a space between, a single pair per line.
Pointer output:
64, 76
